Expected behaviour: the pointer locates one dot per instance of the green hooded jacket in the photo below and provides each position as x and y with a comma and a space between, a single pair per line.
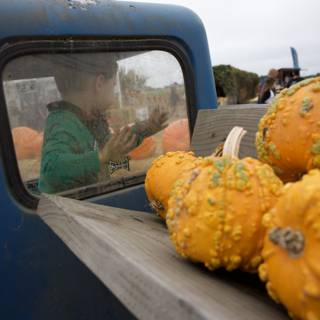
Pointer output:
70, 156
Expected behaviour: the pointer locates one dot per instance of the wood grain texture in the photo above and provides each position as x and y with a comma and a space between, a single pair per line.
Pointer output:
131, 254
114, 184
212, 128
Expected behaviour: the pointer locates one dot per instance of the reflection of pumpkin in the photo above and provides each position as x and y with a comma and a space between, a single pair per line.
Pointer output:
289, 133
292, 248
215, 212
37, 145
145, 150
176, 136
162, 175
27, 142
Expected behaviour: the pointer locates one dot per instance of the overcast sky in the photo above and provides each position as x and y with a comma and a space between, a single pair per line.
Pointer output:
256, 35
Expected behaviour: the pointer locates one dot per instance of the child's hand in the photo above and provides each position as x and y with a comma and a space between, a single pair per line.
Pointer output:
118, 146
157, 121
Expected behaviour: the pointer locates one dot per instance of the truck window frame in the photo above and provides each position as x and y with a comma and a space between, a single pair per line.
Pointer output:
21, 47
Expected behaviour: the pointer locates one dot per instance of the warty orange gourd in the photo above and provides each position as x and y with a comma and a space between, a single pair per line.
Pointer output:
291, 249
215, 211
288, 138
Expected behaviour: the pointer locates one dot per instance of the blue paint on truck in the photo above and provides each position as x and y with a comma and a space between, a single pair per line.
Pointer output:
40, 278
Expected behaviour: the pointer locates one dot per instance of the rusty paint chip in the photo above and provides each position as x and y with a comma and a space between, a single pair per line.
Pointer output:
82, 4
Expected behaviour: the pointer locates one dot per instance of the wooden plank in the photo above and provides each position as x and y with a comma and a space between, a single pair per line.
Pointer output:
212, 128
114, 184
131, 253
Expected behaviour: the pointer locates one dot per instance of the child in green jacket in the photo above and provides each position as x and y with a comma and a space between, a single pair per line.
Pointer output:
77, 141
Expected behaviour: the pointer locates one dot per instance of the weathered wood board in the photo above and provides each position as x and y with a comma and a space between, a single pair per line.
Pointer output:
130, 251
131, 254
212, 128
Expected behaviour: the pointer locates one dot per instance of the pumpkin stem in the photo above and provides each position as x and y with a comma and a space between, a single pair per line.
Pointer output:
288, 239
156, 205
218, 151
232, 145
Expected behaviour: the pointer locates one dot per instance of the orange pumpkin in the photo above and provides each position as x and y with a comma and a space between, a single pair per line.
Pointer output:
215, 212
292, 248
27, 142
176, 136
168, 168
37, 145
289, 133
162, 175
145, 150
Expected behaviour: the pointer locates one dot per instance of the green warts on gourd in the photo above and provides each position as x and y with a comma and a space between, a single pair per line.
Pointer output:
292, 241
306, 106
315, 149
261, 147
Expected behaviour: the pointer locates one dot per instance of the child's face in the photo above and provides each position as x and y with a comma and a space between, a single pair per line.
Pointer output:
105, 89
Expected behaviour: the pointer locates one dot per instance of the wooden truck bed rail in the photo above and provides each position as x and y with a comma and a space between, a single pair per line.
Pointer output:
130, 251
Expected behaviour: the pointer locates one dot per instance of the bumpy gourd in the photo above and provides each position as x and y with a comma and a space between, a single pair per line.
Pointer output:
162, 175
289, 133
215, 212
292, 248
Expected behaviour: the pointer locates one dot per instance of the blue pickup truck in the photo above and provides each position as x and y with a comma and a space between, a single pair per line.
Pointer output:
56, 57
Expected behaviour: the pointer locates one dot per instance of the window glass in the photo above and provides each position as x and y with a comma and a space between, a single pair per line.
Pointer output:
84, 118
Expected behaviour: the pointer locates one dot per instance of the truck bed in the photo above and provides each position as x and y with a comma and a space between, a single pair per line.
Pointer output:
130, 252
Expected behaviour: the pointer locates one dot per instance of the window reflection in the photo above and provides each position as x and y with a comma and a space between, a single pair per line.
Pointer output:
80, 119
